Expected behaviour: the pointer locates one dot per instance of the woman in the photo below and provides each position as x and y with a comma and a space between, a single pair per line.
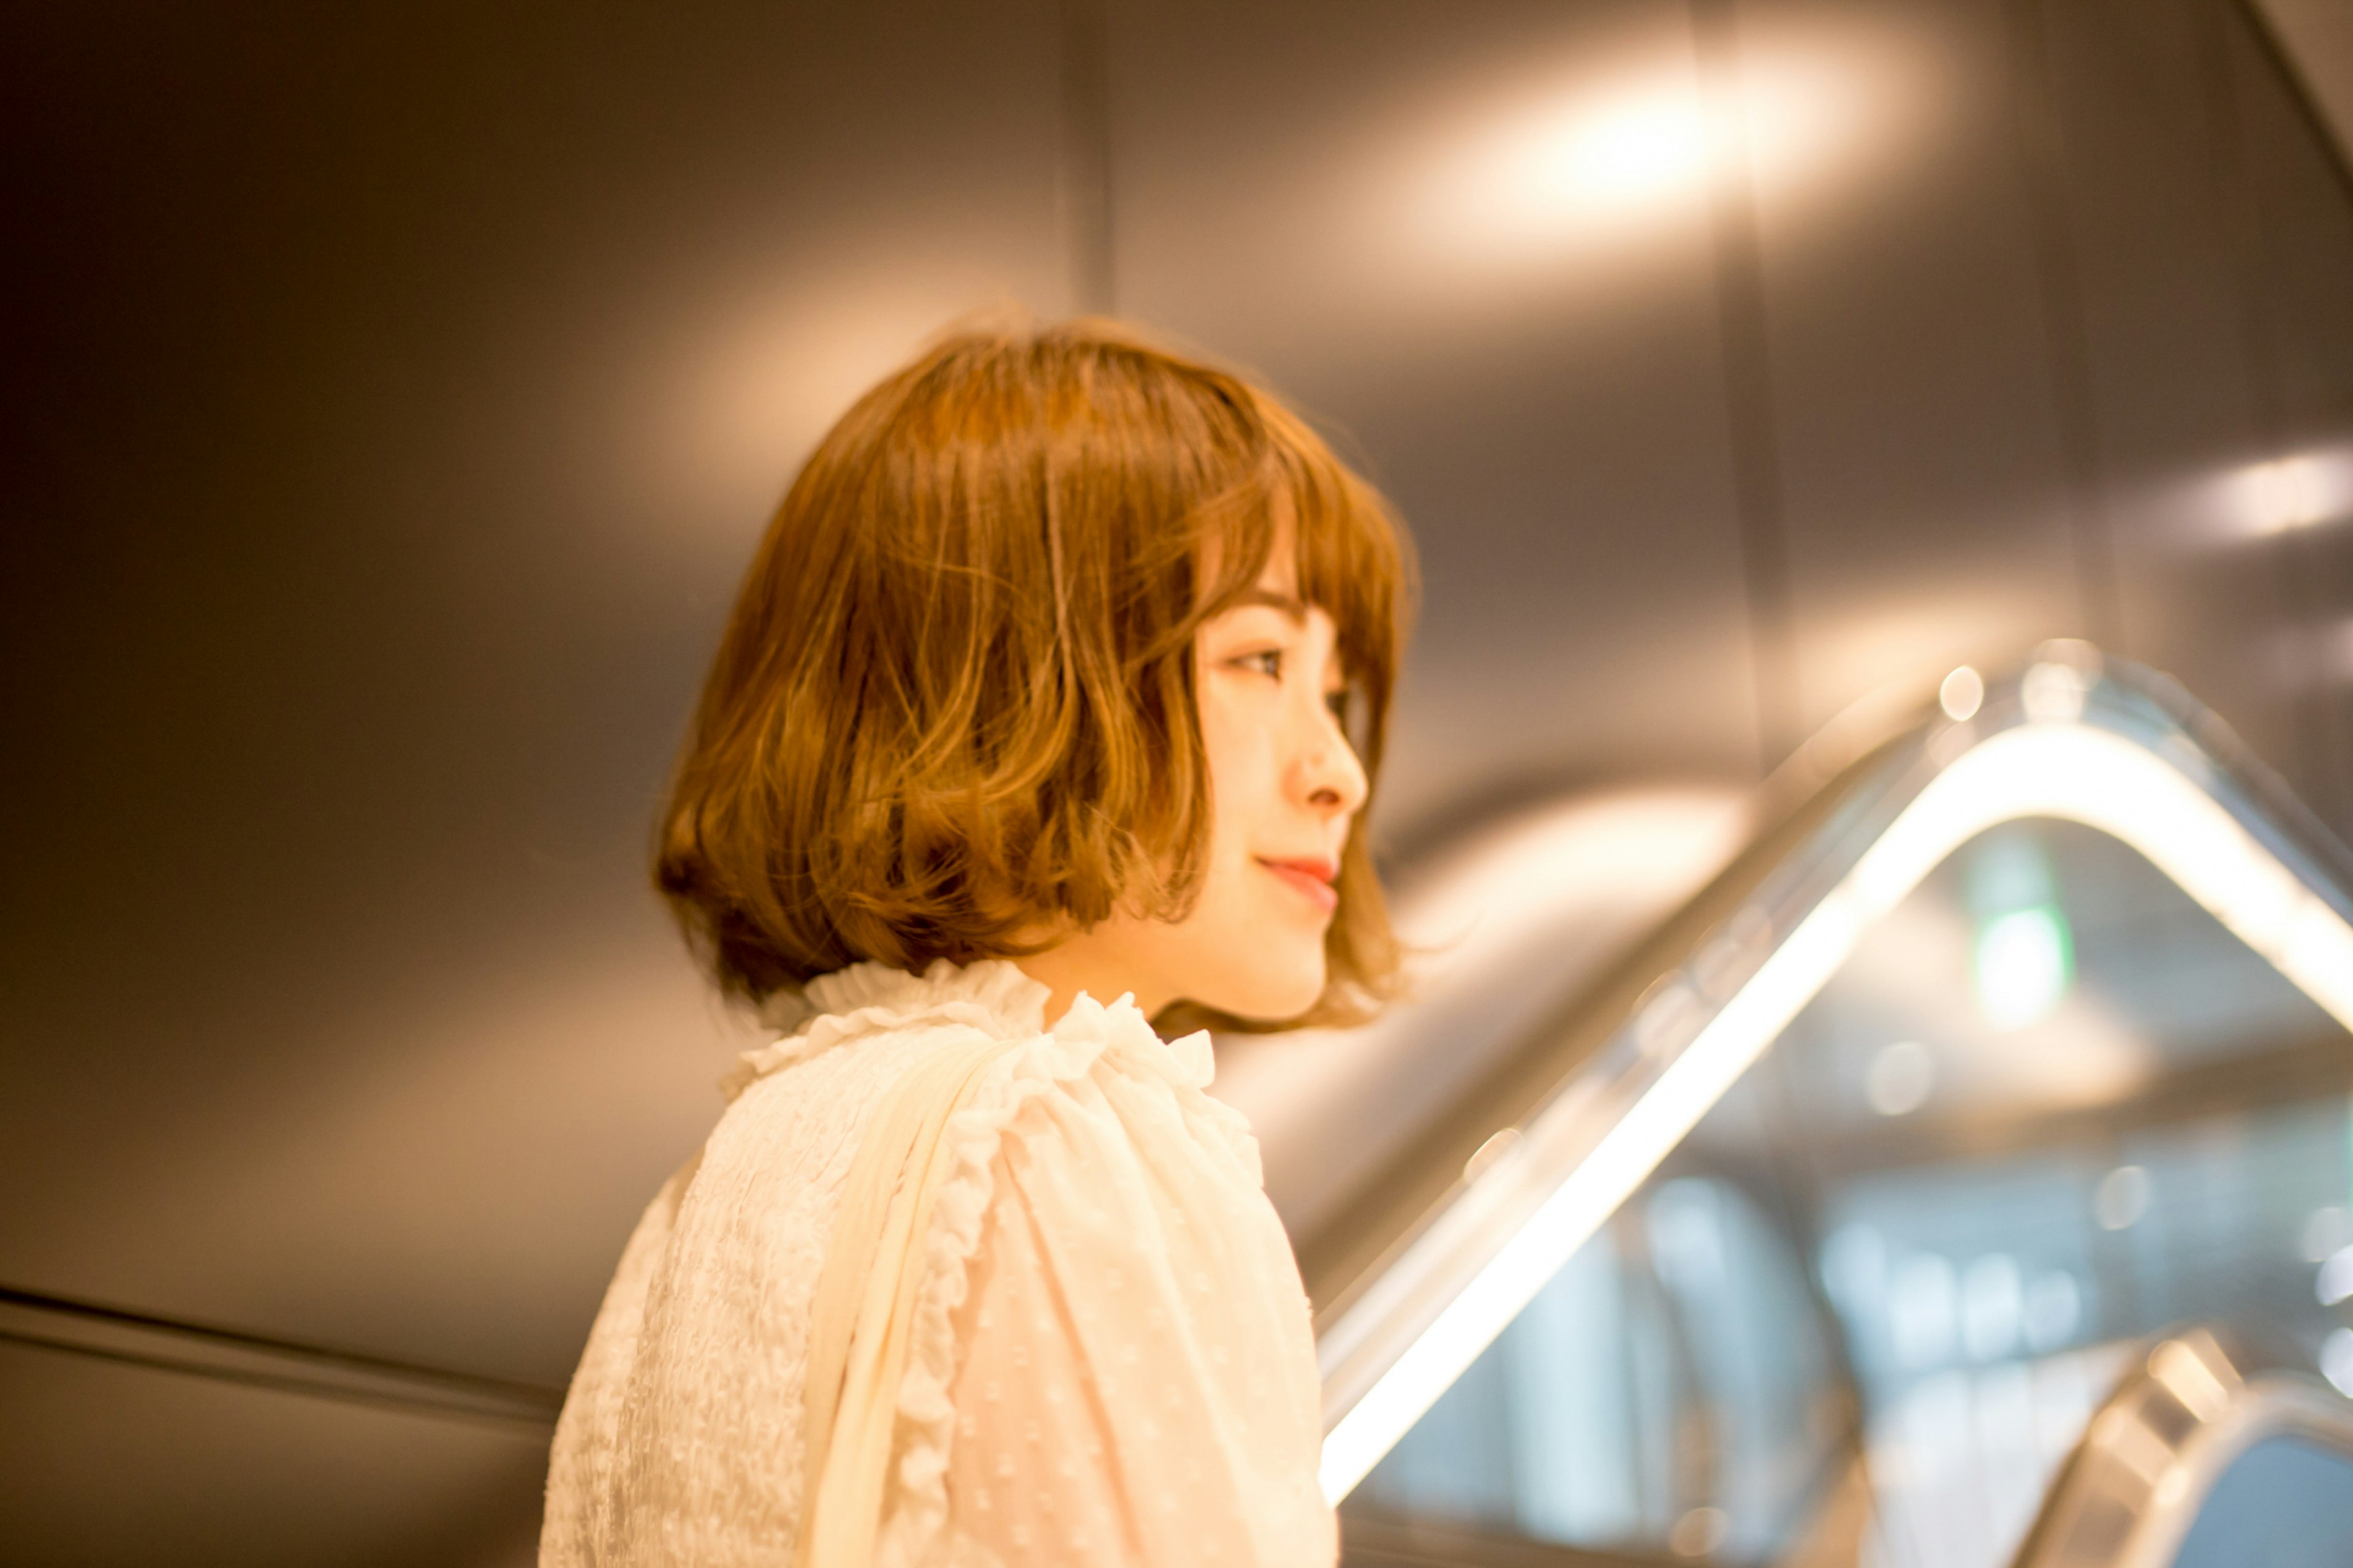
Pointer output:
1037, 694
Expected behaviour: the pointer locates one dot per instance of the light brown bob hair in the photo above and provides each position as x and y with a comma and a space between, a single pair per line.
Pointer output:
953, 707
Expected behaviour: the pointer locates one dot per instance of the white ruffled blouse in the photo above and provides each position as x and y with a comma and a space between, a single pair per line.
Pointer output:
1111, 1360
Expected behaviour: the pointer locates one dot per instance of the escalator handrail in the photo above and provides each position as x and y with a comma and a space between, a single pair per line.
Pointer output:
1417, 1274
2128, 1494
155, 1342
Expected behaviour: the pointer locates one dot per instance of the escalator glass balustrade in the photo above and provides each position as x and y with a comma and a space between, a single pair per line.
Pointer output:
1820, 1232
2206, 1456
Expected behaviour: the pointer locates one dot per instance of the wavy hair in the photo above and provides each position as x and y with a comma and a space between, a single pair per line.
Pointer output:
954, 705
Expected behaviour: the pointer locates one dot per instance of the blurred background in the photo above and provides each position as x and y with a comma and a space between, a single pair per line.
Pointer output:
394, 395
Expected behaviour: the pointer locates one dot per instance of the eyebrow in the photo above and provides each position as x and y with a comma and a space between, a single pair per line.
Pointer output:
1290, 605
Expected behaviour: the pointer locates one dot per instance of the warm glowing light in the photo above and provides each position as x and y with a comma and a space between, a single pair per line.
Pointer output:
1632, 153
1591, 163
2299, 492
2052, 692
2192, 1379
2289, 494
2053, 768
1962, 694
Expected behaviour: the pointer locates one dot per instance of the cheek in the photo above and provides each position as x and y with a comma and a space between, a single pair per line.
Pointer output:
1244, 786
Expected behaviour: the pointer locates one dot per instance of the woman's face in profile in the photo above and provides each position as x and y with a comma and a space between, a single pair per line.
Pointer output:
1285, 787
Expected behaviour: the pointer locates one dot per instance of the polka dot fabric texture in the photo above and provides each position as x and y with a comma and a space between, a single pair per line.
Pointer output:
1138, 1383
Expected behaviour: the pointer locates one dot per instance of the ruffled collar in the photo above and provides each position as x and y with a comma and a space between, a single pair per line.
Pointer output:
993, 983
992, 994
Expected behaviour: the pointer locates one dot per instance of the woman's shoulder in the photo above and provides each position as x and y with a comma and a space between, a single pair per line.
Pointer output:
1121, 1080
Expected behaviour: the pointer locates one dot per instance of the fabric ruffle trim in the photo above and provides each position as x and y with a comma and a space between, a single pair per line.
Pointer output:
917, 1508
993, 996
1119, 1037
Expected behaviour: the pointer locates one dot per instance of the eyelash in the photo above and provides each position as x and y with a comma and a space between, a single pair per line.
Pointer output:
1269, 662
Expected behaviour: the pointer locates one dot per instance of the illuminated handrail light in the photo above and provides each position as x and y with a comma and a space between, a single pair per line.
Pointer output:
2053, 765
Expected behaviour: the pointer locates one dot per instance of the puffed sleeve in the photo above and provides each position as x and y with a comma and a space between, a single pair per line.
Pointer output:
1137, 1383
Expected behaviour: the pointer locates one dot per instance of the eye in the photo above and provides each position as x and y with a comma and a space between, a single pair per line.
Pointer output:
1266, 661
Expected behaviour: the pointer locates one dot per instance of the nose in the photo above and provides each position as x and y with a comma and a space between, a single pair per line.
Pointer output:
1328, 776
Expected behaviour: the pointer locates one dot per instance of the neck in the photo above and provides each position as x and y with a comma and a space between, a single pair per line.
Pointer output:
1076, 965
